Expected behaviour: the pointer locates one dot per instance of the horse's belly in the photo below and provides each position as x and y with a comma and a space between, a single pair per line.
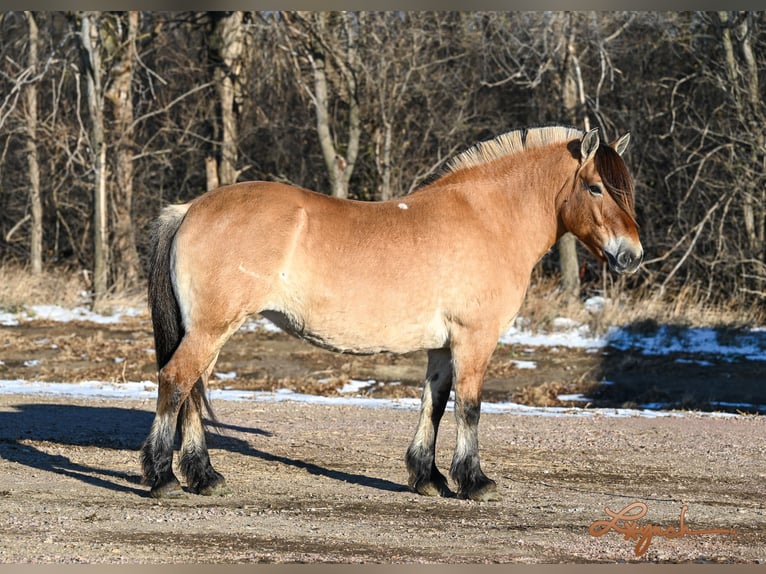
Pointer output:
343, 331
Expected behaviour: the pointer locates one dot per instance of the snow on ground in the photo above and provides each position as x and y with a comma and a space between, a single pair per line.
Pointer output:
57, 313
148, 390
743, 345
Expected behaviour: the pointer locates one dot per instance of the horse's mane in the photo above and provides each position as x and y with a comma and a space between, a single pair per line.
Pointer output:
613, 172
509, 143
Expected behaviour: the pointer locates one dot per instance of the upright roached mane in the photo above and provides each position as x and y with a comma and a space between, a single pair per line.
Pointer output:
444, 269
509, 143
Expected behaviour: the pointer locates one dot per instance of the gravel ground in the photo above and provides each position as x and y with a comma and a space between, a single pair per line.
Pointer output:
318, 483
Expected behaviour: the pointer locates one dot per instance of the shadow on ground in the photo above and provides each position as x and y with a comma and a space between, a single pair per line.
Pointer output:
27, 432
677, 367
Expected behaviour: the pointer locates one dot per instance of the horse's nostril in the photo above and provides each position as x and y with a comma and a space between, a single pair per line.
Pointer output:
624, 259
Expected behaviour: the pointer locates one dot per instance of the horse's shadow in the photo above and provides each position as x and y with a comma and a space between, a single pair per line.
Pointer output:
126, 429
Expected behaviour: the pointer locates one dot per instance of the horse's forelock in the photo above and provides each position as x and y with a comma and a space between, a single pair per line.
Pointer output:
616, 177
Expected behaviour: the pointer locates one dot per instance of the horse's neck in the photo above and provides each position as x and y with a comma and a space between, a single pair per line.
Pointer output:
519, 204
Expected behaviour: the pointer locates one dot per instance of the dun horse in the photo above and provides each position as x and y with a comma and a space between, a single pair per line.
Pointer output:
444, 269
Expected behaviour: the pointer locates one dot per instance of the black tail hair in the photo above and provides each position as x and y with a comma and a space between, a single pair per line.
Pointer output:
163, 304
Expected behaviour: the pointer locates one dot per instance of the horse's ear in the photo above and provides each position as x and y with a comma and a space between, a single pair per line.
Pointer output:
588, 146
621, 144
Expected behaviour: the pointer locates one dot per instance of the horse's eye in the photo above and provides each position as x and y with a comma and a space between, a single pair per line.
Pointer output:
595, 189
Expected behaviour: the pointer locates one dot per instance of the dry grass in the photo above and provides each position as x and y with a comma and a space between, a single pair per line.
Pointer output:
19, 287
545, 302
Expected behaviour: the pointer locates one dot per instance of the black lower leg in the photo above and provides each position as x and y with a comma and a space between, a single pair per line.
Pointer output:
466, 468
194, 459
424, 477
157, 459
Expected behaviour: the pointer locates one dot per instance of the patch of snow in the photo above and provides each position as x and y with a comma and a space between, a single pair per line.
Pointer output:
749, 345
595, 304
254, 324
354, 386
561, 323
574, 398
63, 315
694, 362
578, 337
524, 364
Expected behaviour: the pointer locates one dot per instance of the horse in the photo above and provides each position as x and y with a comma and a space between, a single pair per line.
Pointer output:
443, 269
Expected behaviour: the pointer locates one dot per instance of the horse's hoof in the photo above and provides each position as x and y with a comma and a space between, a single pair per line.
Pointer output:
486, 492
171, 489
436, 485
434, 489
216, 488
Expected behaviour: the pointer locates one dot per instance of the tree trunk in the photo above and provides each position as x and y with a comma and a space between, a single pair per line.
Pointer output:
126, 264
573, 98
336, 165
384, 162
229, 43
211, 173
747, 101
33, 163
326, 55
89, 39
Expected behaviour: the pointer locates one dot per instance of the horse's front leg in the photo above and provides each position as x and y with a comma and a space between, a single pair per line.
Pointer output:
470, 364
424, 477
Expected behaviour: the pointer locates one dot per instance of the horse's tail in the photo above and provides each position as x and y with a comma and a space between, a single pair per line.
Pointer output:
163, 301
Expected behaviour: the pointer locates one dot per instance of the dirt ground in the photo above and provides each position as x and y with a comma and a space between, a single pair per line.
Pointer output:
327, 483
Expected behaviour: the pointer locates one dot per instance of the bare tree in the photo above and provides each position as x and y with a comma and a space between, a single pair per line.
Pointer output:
737, 35
121, 51
33, 161
228, 47
92, 68
328, 43
404, 72
573, 101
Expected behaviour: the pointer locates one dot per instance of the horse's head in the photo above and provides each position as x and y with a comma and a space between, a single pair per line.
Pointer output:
598, 208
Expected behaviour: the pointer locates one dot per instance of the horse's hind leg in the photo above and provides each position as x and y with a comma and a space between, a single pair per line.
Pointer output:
176, 380
194, 459
424, 477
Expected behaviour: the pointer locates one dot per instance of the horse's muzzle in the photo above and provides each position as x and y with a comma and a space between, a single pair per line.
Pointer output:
625, 259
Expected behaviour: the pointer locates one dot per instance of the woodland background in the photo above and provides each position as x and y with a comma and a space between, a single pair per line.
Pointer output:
107, 116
